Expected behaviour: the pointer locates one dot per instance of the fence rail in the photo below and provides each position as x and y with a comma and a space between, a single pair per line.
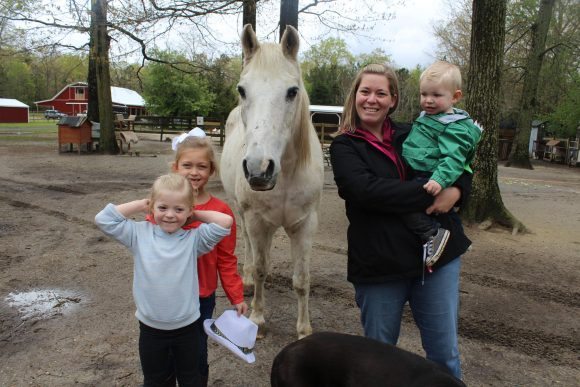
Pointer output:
213, 127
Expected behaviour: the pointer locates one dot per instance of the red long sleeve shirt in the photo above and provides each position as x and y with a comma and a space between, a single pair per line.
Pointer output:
220, 261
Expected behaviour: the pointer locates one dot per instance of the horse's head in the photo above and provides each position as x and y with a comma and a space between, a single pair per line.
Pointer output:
274, 107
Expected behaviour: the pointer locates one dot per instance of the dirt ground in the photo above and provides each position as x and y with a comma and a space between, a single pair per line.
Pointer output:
67, 314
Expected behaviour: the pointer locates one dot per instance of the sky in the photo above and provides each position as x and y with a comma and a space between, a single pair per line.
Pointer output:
407, 38
412, 41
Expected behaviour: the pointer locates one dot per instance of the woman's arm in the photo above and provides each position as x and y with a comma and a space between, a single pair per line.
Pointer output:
359, 184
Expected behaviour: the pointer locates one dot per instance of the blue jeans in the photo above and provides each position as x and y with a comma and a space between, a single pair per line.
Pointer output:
206, 308
434, 305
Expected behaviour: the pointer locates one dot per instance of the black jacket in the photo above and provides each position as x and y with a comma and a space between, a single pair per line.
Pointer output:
380, 247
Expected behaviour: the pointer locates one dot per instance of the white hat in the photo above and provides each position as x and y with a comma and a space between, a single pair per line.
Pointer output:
238, 334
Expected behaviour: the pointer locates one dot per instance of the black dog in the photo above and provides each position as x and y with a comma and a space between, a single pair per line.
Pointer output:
335, 359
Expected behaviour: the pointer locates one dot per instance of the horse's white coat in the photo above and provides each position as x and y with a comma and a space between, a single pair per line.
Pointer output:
272, 168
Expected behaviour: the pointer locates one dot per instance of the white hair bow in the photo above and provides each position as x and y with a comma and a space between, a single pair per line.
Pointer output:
195, 132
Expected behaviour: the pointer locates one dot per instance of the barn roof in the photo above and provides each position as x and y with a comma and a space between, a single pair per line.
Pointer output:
325, 109
7, 102
72, 121
119, 95
123, 96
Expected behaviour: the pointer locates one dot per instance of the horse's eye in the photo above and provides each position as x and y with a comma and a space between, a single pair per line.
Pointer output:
242, 92
291, 93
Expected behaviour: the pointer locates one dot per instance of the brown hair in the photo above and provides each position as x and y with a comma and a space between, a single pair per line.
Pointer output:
197, 143
174, 183
350, 118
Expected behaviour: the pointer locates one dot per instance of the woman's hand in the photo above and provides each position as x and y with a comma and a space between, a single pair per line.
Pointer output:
445, 201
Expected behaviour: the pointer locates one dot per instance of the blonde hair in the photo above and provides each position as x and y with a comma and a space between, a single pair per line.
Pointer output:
350, 118
197, 143
443, 72
174, 183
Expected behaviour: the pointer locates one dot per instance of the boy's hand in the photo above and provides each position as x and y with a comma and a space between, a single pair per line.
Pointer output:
432, 187
445, 201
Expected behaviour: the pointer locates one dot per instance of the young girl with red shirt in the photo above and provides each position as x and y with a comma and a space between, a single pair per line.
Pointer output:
195, 160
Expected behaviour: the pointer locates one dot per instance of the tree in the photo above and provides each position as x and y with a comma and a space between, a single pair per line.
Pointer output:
328, 69
409, 102
519, 155
222, 79
288, 15
565, 119
485, 64
171, 91
100, 49
249, 13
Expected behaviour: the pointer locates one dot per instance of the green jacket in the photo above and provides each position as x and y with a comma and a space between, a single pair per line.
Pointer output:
443, 144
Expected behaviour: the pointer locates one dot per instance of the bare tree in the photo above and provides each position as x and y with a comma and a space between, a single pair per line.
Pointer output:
288, 15
249, 13
485, 64
519, 155
100, 48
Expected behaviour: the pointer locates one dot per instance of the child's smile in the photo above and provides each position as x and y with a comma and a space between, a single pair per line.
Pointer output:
195, 166
171, 211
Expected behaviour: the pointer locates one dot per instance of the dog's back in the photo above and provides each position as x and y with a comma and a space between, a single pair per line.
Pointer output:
335, 359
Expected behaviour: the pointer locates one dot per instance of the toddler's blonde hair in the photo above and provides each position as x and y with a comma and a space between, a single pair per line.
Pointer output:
174, 183
443, 72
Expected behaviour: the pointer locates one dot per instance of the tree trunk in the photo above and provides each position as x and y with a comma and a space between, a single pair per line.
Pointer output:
288, 15
107, 142
484, 80
519, 156
93, 96
249, 13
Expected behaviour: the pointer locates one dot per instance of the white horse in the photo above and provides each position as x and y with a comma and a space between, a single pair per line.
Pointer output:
271, 166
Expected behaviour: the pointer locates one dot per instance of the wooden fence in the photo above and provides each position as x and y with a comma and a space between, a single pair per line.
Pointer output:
213, 127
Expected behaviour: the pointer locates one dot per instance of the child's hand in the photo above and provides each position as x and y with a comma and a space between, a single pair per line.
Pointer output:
432, 187
145, 205
241, 308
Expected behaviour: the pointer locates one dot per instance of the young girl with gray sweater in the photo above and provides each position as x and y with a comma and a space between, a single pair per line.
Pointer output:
165, 273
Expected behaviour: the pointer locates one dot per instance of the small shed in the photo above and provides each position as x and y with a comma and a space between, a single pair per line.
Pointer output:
326, 120
13, 111
75, 130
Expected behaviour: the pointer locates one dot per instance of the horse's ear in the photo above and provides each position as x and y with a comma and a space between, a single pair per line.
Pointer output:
249, 42
290, 42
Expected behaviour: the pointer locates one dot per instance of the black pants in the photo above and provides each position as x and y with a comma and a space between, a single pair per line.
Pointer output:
421, 224
159, 348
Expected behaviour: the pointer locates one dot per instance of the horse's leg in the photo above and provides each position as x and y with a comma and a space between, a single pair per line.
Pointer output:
248, 270
260, 239
301, 249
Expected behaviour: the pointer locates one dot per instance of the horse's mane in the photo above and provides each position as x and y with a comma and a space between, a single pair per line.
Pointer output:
269, 56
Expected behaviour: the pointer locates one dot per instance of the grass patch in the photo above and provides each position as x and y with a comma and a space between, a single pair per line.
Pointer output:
43, 126
26, 138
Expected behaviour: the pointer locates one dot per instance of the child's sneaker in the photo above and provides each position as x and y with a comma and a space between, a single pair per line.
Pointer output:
434, 247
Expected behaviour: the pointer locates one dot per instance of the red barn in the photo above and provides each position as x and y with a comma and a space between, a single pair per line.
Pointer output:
12, 110
74, 99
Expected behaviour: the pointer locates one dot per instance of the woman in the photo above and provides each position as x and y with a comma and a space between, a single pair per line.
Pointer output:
385, 259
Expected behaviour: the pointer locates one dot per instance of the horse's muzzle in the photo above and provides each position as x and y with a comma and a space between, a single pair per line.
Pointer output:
263, 181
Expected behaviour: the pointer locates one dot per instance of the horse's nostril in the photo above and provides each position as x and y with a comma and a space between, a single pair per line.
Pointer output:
245, 168
270, 169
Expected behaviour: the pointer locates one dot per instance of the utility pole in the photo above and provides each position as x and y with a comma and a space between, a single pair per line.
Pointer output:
288, 15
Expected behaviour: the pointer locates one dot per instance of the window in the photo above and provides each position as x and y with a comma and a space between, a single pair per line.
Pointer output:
80, 93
